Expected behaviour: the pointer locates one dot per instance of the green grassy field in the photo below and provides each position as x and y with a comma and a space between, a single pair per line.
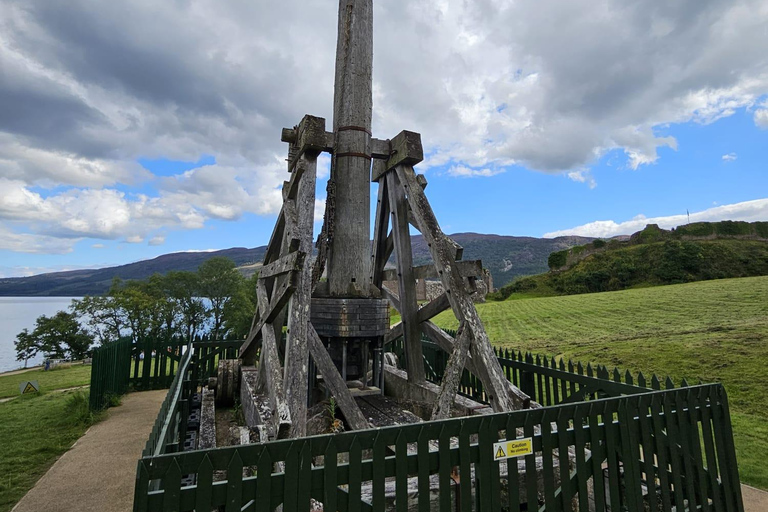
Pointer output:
59, 378
36, 430
715, 331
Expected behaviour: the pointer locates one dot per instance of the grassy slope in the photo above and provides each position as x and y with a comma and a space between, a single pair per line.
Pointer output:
648, 264
36, 430
712, 330
60, 378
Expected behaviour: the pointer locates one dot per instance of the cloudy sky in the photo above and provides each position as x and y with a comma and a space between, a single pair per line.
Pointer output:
130, 129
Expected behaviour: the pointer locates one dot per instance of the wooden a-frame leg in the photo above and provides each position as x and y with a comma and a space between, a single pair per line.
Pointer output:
296, 353
334, 382
407, 283
497, 387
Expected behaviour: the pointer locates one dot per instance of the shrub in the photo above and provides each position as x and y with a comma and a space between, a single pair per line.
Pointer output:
696, 229
598, 244
557, 259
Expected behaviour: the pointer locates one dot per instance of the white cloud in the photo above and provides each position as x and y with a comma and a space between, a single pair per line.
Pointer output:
462, 171
157, 240
583, 176
749, 211
89, 88
761, 118
729, 157
98, 246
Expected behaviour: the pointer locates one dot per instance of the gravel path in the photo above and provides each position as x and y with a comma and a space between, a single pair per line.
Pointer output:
98, 473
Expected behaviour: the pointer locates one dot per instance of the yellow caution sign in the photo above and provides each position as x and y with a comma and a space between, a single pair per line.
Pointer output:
514, 448
29, 386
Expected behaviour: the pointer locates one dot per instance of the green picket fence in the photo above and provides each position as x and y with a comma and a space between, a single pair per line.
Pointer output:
199, 362
548, 381
110, 372
603, 443
149, 364
659, 450
170, 423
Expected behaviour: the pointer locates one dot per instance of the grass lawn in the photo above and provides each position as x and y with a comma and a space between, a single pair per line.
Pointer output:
58, 378
715, 331
36, 430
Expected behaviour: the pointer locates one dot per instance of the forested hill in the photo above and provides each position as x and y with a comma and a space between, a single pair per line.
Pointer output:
651, 257
77, 283
507, 257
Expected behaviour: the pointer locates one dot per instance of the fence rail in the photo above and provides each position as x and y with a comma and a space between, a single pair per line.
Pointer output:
123, 365
660, 450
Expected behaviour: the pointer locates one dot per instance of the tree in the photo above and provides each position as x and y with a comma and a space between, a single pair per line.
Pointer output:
219, 281
59, 336
26, 346
239, 310
183, 287
105, 319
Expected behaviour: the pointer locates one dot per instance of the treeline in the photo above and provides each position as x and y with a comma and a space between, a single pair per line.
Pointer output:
652, 233
650, 264
216, 301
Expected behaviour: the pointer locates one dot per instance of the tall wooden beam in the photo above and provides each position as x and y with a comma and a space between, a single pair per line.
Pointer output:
381, 251
408, 306
348, 255
272, 370
296, 354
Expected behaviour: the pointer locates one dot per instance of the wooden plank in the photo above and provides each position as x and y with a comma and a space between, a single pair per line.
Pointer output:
452, 374
333, 380
296, 369
468, 268
267, 315
291, 187
381, 227
290, 262
394, 332
408, 306
433, 308
443, 252
272, 370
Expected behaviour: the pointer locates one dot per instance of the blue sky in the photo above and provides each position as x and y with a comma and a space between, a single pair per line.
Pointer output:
129, 134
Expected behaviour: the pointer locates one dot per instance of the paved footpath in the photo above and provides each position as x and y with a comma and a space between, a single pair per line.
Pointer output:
99, 471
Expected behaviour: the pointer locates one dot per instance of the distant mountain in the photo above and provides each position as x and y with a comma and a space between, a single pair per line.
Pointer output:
76, 283
507, 257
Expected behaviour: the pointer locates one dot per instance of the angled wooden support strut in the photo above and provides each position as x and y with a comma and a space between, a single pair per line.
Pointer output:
335, 383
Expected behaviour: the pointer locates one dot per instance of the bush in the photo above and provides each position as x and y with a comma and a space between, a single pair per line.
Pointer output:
557, 259
696, 229
598, 244
730, 227
78, 411
761, 229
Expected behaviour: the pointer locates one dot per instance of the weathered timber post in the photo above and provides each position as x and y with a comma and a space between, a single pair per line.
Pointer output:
349, 249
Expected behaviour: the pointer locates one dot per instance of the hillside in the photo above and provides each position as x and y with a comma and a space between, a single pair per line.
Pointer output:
649, 258
506, 256
713, 331
76, 283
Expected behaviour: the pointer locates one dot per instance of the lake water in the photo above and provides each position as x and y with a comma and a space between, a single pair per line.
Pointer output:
17, 313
